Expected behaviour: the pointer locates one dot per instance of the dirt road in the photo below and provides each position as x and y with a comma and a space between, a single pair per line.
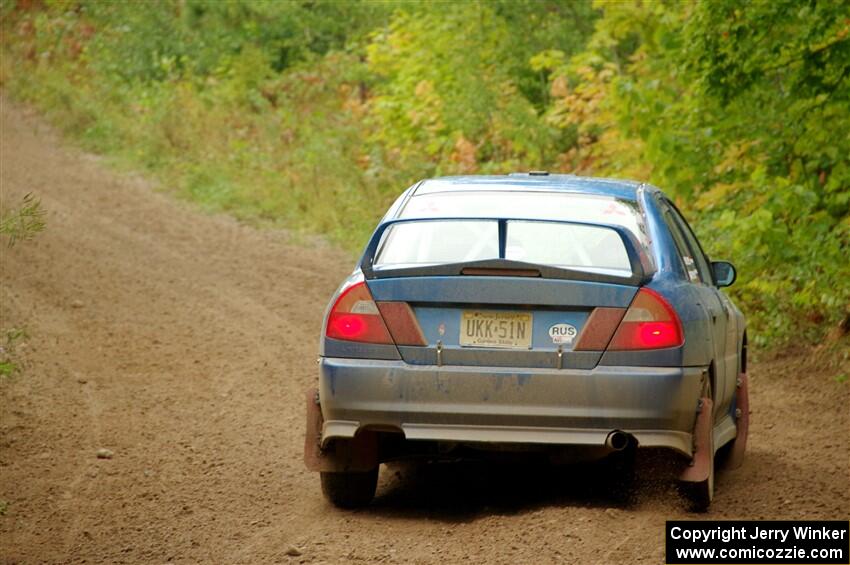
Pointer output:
182, 342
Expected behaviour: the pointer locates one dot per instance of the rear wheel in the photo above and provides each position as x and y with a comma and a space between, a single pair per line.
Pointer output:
350, 489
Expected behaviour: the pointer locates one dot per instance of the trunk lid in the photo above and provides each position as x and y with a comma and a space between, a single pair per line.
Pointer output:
554, 314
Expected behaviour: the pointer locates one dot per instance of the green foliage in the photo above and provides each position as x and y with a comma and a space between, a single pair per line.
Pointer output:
316, 114
466, 118
23, 222
751, 129
202, 38
8, 366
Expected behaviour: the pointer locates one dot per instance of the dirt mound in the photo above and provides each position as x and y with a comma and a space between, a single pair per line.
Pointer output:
181, 344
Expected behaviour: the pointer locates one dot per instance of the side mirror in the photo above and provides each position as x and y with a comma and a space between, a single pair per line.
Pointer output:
724, 273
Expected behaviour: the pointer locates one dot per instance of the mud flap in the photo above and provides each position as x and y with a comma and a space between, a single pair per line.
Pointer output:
700, 466
742, 423
313, 437
348, 455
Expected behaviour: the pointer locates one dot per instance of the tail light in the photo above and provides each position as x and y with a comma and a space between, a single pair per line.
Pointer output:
355, 316
649, 323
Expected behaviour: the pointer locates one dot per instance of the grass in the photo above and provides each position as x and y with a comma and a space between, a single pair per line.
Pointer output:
8, 367
23, 223
266, 164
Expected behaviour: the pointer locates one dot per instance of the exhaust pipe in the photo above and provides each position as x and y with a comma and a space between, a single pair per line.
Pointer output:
617, 440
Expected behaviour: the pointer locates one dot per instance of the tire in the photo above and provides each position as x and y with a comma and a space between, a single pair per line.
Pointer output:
698, 496
350, 490
724, 453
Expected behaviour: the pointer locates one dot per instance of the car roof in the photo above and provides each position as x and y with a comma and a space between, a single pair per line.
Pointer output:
530, 182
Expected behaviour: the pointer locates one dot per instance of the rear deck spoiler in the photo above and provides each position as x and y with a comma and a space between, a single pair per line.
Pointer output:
639, 261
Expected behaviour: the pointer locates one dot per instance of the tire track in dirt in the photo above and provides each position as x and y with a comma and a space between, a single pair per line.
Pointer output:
195, 337
80, 487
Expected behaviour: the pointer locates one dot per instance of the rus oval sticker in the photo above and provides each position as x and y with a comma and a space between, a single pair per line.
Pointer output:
562, 333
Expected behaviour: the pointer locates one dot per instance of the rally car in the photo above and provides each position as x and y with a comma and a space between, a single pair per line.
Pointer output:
536, 310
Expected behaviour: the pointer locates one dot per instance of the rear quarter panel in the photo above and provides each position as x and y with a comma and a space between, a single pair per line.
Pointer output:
672, 282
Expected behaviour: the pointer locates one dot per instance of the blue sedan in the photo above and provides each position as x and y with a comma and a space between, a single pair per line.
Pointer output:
536, 312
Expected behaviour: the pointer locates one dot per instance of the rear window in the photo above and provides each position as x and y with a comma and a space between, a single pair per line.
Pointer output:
437, 242
565, 206
568, 246
588, 248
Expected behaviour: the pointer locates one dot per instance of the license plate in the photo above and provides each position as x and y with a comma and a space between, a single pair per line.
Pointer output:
479, 328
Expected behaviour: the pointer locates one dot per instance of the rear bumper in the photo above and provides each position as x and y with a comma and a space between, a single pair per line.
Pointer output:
657, 405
